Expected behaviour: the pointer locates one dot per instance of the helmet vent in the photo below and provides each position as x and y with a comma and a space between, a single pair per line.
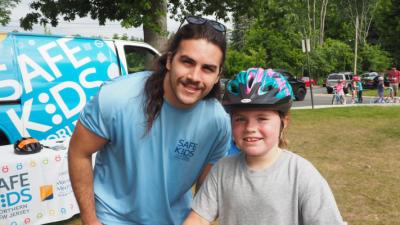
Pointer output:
250, 82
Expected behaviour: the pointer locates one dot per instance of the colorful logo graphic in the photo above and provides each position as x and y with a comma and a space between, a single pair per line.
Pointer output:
46, 192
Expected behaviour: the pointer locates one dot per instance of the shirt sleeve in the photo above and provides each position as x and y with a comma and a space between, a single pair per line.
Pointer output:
317, 203
205, 202
223, 142
91, 117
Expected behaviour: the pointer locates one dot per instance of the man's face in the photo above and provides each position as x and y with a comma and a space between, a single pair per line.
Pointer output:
192, 72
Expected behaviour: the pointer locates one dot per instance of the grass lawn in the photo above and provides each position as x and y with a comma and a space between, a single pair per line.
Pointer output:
374, 92
357, 149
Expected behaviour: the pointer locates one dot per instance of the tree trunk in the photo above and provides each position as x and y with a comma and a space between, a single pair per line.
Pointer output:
156, 35
355, 47
324, 5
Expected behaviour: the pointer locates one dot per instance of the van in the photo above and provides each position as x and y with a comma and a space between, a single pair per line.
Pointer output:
333, 78
46, 80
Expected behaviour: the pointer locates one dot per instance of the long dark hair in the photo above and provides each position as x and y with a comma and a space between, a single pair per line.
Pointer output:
154, 90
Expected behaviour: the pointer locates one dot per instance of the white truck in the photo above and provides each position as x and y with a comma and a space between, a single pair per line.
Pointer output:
46, 80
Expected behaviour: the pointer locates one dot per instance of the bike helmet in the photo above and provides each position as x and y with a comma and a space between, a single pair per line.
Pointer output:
356, 78
27, 145
258, 87
380, 78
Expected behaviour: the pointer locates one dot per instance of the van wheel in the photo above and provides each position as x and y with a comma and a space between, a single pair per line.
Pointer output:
300, 94
3, 139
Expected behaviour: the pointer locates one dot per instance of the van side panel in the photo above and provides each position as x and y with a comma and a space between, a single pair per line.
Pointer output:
58, 75
10, 88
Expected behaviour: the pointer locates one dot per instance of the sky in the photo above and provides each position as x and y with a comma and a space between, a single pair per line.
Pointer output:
82, 26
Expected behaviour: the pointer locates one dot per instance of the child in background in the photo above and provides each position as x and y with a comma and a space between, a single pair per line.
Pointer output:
353, 90
381, 90
359, 89
265, 183
340, 92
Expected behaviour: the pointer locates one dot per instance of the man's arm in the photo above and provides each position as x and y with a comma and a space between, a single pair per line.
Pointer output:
195, 219
82, 145
202, 176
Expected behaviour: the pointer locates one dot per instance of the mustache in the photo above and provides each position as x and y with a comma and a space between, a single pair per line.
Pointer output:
191, 82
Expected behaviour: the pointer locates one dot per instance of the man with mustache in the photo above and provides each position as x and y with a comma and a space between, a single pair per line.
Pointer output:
156, 134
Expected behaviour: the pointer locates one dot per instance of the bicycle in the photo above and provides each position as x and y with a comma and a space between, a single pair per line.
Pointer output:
387, 99
337, 98
390, 98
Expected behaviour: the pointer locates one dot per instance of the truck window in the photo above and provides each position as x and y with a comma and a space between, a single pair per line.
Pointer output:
138, 58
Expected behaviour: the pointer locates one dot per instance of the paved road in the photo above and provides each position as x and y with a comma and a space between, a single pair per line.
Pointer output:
322, 98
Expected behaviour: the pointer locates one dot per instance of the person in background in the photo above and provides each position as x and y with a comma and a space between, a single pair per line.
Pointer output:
359, 88
155, 133
353, 90
341, 97
380, 90
394, 80
265, 183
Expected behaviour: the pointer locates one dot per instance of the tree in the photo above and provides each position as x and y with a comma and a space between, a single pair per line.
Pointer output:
362, 12
373, 58
152, 14
387, 27
5, 7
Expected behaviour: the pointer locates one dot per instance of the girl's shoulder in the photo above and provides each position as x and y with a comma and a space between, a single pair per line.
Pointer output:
298, 163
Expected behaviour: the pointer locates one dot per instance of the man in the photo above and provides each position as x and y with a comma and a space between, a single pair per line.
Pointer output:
157, 134
394, 79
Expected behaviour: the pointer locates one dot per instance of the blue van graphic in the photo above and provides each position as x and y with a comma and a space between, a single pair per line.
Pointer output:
45, 81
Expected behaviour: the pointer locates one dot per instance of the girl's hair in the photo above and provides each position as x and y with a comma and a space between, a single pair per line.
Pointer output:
153, 89
283, 142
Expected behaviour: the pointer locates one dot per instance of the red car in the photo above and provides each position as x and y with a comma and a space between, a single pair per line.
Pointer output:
307, 81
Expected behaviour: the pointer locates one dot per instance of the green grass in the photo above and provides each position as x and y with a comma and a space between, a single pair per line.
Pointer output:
357, 149
374, 92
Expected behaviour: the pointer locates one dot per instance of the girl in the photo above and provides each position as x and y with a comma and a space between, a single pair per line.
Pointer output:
265, 184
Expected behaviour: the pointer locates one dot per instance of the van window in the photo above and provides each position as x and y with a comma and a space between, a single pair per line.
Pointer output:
335, 77
138, 58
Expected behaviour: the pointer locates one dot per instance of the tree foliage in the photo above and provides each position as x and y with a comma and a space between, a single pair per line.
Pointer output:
152, 14
272, 37
5, 10
387, 27
374, 58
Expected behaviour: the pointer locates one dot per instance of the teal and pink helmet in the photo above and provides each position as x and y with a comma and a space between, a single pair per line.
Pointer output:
258, 88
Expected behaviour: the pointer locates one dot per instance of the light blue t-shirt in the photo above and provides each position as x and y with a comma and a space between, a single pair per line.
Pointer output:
147, 178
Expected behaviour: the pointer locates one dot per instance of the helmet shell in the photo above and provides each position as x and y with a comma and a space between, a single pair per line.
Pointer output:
258, 88
27, 145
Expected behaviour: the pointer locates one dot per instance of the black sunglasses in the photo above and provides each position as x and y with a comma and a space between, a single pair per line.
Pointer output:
200, 20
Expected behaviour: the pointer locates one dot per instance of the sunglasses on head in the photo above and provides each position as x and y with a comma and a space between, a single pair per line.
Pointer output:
200, 20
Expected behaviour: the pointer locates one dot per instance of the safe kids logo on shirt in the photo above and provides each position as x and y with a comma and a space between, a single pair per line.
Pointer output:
185, 150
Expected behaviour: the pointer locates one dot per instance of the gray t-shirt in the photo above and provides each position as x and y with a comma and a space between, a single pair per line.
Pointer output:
290, 191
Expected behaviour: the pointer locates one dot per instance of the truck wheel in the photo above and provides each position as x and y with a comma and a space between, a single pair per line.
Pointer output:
3, 139
300, 94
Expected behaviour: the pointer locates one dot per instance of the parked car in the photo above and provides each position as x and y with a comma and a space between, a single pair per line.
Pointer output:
298, 86
307, 81
333, 78
370, 80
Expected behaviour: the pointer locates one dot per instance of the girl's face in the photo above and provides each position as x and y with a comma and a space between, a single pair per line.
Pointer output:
256, 131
